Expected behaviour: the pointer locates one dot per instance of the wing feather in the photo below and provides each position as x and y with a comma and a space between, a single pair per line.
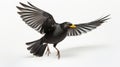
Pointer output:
85, 27
35, 17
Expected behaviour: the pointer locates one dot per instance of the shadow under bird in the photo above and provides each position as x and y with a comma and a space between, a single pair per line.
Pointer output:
54, 33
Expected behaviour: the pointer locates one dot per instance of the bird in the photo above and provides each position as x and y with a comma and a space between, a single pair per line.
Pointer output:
53, 32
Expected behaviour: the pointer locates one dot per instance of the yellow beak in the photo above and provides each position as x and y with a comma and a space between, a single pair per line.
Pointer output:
73, 26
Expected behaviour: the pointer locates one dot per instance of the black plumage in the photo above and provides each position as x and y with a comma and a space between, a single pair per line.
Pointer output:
54, 32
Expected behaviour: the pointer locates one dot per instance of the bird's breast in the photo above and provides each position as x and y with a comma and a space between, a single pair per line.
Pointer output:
58, 30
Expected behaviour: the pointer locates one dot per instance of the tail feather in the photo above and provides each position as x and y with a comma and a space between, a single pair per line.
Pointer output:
36, 47
41, 51
29, 43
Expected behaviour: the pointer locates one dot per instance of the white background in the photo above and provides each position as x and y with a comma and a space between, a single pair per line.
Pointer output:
98, 48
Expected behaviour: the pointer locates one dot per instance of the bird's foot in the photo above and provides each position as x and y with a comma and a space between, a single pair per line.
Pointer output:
48, 51
58, 54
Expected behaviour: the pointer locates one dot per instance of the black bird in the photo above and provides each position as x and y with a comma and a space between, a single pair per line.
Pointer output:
53, 32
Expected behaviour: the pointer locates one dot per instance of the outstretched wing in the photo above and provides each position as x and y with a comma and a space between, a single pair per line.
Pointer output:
35, 17
85, 27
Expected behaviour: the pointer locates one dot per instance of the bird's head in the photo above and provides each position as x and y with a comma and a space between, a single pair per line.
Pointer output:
67, 25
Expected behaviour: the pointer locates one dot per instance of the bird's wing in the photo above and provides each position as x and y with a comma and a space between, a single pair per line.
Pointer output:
85, 27
35, 17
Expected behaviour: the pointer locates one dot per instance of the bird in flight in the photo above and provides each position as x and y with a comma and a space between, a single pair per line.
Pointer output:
44, 23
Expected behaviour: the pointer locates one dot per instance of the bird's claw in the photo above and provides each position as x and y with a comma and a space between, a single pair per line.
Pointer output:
48, 51
58, 54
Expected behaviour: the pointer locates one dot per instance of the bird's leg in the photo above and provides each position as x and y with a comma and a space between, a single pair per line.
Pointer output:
48, 51
58, 52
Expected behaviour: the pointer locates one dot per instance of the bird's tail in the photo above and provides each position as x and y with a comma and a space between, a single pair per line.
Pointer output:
37, 47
